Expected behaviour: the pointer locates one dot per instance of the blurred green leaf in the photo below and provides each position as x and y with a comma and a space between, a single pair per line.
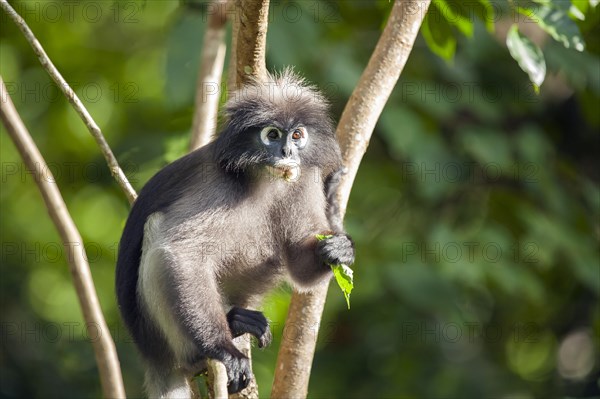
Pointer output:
558, 24
488, 147
438, 34
527, 54
485, 12
451, 11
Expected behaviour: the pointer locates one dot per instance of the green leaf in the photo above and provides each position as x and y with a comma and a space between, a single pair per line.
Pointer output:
342, 273
484, 10
558, 25
438, 34
578, 10
527, 54
321, 237
345, 279
451, 12
562, 5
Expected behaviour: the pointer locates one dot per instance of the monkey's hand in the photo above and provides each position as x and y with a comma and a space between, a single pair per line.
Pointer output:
337, 249
239, 373
242, 321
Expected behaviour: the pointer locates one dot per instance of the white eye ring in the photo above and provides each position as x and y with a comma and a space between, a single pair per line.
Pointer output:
264, 134
301, 141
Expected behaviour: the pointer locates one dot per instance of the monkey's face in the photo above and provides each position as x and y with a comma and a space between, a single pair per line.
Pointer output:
283, 148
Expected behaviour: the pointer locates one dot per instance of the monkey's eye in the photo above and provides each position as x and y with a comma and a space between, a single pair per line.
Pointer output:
270, 133
299, 136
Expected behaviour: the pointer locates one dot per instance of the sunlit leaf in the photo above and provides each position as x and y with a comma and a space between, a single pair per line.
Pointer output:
344, 276
578, 10
558, 25
527, 54
345, 279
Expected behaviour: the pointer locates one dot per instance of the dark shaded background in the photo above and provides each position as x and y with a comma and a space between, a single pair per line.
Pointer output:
475, 211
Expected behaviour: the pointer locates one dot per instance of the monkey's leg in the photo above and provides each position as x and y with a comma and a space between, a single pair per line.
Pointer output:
242, 321
198, 307
182, 297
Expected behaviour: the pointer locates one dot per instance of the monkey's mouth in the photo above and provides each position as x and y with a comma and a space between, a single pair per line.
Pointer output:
287, 169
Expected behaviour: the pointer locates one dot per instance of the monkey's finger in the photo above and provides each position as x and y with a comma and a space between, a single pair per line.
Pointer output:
242, 325
254, 314
244, 319
265, 339
233, 387
239, 382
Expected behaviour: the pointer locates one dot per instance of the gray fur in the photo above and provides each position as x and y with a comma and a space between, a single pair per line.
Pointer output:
213, 231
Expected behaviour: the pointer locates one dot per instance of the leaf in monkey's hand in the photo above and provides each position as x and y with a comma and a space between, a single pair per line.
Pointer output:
321, 237
342, 273
345, 279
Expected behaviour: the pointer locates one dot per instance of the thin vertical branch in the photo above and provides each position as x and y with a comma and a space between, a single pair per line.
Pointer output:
104, 346
217, 377
208, 87
354, 131
47, 64
235, 27
247, 61
250, 25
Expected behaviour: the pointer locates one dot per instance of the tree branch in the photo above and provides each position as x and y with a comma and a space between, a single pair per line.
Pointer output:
354, 131
47, 64
208, 87
217, 377
247, 61
104, 346
249, 41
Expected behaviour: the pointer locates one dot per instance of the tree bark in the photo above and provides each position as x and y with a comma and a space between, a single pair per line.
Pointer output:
247, 61
249, 42
354, 131
104, 347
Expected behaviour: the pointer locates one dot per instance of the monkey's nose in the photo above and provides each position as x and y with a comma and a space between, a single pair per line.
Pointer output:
286, 151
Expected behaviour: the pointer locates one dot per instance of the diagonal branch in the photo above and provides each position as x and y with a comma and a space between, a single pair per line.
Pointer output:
354, 131
375, 86
208, 87
47, 64
104, 346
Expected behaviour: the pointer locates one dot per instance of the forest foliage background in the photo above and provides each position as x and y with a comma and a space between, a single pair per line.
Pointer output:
476, 211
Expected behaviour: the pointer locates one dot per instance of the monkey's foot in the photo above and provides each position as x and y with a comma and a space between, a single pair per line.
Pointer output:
242, 321
239, 372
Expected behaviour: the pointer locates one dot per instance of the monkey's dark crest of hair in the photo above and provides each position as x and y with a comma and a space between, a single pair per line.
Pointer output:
185, 278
